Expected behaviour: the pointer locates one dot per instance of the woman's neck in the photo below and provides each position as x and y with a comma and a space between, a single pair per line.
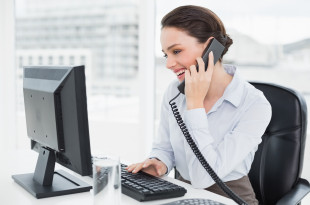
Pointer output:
220, 80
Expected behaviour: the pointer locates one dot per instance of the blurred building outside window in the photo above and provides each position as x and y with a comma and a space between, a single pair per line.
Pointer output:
100, 34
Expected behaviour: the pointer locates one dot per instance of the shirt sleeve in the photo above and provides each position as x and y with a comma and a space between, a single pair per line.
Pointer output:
232, 150
161, 147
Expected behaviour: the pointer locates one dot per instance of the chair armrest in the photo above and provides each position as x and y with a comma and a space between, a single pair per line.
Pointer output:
299, 191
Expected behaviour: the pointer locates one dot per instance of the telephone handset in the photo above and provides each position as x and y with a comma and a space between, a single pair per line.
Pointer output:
217, 49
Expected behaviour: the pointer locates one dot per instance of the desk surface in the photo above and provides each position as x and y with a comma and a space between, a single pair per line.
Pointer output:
19, 162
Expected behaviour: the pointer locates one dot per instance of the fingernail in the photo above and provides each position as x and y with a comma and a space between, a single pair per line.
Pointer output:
144, 165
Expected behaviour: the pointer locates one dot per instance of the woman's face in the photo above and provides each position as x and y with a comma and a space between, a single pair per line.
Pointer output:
180, 49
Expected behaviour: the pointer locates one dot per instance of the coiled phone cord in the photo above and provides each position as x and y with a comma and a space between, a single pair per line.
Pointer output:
200, 157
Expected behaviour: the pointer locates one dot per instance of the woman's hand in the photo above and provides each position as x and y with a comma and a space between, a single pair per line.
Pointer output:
152, 166
197, 84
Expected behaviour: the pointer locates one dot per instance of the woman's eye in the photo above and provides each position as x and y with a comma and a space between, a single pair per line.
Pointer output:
176, 51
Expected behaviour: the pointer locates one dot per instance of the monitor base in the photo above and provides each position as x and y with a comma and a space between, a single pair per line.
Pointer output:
63, 184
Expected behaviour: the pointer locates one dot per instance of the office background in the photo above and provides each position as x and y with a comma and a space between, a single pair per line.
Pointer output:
118, 41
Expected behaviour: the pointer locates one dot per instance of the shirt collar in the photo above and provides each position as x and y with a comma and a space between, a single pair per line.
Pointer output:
233, 92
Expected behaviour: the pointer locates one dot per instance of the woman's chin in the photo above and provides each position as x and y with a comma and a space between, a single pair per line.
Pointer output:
181, 77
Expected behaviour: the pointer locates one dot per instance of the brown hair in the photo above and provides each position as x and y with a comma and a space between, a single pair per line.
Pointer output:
198, 22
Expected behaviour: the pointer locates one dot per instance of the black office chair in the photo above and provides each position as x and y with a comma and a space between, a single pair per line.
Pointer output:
275, 172
277, 166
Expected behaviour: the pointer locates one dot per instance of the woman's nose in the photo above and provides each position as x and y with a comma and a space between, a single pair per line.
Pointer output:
170, 62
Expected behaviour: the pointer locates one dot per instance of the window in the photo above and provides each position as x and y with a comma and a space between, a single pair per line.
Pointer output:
30, 60
20, 63
112, 88
83, 60
50, 60
40, 60
71, 60
60, 60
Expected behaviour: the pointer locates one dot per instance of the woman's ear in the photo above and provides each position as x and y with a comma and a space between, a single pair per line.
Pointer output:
207, 42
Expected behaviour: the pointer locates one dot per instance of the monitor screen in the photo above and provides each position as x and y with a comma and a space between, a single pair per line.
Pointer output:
57, 124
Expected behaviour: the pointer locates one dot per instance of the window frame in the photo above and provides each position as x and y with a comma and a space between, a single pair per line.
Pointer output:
7, 77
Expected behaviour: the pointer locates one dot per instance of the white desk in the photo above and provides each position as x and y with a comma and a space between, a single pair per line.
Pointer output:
19, 162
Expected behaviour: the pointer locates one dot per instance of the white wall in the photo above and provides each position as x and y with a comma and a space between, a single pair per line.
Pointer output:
7, 76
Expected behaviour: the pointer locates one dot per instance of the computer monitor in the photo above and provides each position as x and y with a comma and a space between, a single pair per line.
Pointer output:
57, 124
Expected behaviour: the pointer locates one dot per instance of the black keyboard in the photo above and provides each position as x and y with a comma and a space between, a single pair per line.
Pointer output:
194, 202
144, 187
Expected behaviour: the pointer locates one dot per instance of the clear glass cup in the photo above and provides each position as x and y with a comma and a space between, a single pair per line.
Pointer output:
106, 180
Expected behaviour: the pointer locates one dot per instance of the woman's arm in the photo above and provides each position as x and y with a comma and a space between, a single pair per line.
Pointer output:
232, 150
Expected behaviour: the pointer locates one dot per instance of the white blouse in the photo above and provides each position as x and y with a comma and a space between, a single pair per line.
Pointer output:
228, 135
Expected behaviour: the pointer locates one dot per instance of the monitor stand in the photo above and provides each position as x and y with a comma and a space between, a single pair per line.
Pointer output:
45, 182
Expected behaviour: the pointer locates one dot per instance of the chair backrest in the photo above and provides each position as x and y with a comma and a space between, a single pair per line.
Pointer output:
278, 161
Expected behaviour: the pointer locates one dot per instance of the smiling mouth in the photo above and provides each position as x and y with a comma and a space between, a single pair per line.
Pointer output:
180, 72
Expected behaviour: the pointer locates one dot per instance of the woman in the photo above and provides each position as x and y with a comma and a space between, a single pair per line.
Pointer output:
225, 115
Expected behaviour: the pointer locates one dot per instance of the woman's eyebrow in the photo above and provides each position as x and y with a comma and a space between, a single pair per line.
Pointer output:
171, 46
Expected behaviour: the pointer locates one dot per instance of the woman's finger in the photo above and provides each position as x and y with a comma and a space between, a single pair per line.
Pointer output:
193, 70
131, 167
211, 62
137, 168
210, 69
201, 65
